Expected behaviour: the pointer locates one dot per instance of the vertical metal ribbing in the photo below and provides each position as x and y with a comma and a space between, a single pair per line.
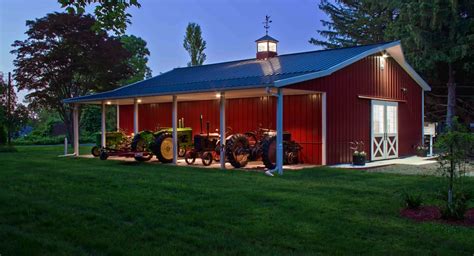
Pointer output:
222, 129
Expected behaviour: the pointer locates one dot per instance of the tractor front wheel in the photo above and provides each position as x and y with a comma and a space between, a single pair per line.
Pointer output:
207, 158
163, 148
190, 157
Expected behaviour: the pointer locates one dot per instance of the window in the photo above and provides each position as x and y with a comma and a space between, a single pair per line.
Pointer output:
272, 47
262, 47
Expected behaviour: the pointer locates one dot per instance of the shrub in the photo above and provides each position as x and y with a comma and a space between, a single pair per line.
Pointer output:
458, 207
5, 149
39, 140
411, 200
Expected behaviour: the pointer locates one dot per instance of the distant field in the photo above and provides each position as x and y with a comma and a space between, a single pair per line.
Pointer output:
68, 206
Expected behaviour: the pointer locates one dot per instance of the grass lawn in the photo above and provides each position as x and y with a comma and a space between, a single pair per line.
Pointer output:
52, 205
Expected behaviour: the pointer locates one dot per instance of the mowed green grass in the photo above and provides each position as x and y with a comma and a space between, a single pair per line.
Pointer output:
68, 206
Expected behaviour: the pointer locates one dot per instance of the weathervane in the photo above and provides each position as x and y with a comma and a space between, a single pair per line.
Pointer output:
266, 24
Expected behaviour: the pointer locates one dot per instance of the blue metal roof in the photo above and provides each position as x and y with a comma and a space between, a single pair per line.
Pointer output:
241, 74
266, 38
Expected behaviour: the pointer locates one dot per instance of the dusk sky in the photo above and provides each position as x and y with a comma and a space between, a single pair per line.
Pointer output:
229, 27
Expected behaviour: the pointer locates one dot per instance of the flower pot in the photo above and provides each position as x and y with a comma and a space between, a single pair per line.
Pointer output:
421, 153
358, 160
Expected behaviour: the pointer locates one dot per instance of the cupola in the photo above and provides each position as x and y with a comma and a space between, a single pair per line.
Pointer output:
266, 45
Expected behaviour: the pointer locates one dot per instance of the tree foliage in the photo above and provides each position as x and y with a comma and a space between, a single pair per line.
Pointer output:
138, 59
353, 22
194, 44
63, 58
437, 38
13, 115
110, 14
438, 35
456, 144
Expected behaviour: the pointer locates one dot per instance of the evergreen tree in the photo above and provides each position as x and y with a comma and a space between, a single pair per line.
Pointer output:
438, 36
354, 22
194, 44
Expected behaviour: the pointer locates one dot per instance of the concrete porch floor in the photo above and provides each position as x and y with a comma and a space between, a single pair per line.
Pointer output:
412, 160
251, 166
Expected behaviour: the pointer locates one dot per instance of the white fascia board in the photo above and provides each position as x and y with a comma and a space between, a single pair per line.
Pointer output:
394, 49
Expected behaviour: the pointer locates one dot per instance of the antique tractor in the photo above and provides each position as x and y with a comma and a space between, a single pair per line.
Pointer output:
163, 144
291, 151
260, 144
160, 143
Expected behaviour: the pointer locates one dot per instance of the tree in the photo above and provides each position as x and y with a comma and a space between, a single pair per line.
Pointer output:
354, 22
63, 58
455, 145
110, 14
138, 59
438, 36
194, 44
13, 116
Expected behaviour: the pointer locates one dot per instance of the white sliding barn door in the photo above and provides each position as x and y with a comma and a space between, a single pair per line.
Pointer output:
384, 141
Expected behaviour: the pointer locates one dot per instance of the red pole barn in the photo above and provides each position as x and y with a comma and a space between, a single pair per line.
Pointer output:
326, 99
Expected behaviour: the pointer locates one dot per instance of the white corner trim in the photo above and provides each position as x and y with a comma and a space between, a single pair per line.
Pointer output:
395, 50
324, 128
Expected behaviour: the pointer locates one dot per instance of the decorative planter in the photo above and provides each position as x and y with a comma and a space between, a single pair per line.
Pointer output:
421, 153
358, 160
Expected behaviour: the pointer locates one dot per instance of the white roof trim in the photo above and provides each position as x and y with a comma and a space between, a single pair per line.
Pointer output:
393, 48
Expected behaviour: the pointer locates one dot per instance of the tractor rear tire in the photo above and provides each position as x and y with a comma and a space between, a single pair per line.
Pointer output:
269, 148
95, 151
163, 147
237, 150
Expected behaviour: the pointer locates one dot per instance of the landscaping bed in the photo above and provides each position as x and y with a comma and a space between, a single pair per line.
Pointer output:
433, 214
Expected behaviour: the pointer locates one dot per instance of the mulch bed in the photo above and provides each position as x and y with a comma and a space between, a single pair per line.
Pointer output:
433, 213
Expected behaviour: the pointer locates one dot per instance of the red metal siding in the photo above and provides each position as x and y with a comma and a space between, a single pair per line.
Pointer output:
302, 118
348, 116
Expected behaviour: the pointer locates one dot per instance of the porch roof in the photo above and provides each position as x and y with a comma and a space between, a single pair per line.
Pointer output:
278, 71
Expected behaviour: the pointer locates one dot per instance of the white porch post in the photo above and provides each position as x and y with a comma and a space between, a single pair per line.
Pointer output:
279, 139
117, 113
422, 116
135, 116
222, 129
75, 123
175, 130
103, 130
324, 128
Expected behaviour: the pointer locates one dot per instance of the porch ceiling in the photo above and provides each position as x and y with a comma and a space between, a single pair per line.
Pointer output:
231, 94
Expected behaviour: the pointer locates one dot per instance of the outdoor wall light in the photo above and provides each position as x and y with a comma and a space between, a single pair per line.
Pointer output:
382, 63
218, 95
139, 101
109, 103
404, 90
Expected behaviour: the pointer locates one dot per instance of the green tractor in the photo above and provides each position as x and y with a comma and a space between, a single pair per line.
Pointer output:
160, 144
